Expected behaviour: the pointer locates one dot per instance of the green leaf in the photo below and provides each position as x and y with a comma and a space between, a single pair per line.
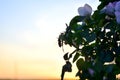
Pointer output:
117, 50
101, 6
116, 70
109, 34
75, 20
87, 50
70, 56
98, 67
106, 56
117, 61
60, 40
91, 37
84, 32
66, 56
110, 25
80, 64
109, 68
109, 56
76, 57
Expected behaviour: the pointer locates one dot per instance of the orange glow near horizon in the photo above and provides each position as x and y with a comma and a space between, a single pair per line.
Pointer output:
19, 62
30, 71
26, 64
24, 71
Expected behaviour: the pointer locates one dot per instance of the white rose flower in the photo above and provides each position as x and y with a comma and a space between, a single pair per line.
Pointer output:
85, 11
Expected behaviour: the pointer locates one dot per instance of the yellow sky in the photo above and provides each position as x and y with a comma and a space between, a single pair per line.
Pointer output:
19, 61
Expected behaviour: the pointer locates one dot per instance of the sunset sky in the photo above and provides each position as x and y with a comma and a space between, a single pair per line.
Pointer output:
28, 36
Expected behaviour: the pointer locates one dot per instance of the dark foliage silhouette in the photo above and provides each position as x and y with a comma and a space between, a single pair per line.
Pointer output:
96, 37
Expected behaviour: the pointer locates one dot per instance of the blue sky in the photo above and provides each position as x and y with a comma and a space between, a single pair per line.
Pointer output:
28, 34
19, 15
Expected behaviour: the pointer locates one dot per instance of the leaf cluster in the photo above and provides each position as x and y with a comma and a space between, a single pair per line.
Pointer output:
97, 39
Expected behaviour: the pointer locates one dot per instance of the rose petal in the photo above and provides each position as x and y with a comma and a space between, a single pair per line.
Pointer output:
117, 14
110, 9
85, 11
82, 11
117, 7
114, 3
88, 8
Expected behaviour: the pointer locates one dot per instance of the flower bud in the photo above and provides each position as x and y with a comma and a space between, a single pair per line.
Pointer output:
117, 14
85, 11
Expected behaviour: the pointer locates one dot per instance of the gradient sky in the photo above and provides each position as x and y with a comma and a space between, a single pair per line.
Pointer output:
28, 36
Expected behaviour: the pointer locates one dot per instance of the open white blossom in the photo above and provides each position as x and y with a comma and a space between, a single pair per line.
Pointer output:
85, 11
